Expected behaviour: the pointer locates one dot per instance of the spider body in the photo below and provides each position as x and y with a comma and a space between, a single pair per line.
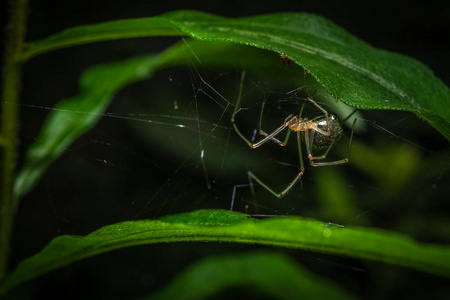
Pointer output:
326, 130
334, 127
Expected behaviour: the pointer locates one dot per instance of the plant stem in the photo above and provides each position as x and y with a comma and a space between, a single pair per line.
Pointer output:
8, 135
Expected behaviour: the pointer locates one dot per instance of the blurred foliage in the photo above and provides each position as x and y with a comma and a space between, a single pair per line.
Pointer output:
260, 274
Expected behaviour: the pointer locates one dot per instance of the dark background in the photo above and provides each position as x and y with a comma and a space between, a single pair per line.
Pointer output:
418, 29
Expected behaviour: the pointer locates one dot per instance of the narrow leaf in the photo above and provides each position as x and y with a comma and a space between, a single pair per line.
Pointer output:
76, 115
121, 29
233, 227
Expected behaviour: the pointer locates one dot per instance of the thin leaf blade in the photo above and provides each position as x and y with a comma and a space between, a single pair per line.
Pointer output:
85, 34
233, 227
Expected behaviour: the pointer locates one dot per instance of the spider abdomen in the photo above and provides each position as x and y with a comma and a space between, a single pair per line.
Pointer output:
333, 126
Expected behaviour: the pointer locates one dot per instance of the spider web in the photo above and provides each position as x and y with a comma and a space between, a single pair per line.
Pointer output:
166, 145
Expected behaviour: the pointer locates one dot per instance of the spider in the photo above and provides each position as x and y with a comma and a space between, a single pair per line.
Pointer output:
320, 132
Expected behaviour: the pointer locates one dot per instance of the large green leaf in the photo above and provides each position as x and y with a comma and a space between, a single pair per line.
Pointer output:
261, 274
349, 69
233, 227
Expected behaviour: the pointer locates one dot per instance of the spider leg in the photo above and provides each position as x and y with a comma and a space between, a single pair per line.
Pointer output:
267, 137
234, 193
317, 105
308, 139
291, 184
323, 156
252, 215
300, 156
274, 139
328, 132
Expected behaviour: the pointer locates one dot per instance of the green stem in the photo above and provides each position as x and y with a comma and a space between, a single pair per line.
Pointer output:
8, 133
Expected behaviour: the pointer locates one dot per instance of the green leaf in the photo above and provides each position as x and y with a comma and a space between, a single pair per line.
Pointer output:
233, 227
76, 115
121, 29
349, 69
263, 274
